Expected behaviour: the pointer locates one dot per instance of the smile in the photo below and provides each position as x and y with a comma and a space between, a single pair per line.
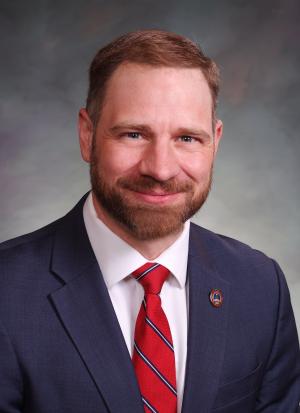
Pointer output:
157, 197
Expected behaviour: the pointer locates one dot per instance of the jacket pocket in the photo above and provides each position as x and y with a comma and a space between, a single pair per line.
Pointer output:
238, 389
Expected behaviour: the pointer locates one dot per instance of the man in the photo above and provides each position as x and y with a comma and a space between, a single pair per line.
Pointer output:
123, 305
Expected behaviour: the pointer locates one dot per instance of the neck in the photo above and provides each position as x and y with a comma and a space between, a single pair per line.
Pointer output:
150, 249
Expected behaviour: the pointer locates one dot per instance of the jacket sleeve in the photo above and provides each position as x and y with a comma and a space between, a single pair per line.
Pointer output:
11, 399
280, 390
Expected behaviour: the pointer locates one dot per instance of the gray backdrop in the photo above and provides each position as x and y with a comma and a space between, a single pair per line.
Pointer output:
46, 47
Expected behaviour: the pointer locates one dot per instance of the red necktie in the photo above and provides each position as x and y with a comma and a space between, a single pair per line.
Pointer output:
153, 356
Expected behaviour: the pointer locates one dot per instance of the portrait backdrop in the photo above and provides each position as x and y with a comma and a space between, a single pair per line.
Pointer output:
46, 47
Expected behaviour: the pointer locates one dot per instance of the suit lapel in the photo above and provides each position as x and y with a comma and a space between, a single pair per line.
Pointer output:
207, 329
85, 309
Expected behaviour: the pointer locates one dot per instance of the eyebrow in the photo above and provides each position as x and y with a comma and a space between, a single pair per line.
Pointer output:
194, 132
146, 129
132, 126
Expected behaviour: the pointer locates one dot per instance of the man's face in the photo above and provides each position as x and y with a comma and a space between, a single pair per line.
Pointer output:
152, 152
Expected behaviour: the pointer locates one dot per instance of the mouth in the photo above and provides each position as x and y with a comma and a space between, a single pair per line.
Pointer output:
154, 197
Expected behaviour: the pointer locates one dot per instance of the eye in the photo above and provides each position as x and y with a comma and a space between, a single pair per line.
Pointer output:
133, 135
187, 139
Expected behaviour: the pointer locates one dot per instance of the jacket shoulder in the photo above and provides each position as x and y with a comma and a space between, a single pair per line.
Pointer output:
43, 233
24, 260
32, 237
232, 258
224, 243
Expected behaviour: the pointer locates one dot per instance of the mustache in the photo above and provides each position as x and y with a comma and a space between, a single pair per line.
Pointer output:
143, 183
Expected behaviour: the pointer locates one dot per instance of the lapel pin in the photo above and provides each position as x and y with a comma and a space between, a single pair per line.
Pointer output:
216, 298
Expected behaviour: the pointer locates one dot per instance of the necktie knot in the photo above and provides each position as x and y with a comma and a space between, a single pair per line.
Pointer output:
151, 276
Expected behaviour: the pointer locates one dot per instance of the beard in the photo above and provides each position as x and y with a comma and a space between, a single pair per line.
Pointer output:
142, 220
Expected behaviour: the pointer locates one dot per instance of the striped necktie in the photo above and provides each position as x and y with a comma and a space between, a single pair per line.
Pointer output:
153, 357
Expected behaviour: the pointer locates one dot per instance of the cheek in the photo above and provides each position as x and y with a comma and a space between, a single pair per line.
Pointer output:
197, 166
117, 162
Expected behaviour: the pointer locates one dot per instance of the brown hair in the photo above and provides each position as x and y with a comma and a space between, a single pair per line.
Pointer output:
150, 47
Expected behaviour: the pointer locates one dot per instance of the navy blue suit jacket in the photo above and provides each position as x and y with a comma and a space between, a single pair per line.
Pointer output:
62, 350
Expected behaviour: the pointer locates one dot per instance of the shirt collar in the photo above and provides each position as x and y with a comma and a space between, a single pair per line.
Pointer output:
117, 259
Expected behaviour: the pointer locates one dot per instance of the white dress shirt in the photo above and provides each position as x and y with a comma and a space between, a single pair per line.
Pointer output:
117, 260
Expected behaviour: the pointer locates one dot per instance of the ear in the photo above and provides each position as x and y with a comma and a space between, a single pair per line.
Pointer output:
218, 134
86, 131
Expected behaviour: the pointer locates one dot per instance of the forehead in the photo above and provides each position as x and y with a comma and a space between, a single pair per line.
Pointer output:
157, 92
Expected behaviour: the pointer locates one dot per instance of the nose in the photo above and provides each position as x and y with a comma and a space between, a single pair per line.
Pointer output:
159, 161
